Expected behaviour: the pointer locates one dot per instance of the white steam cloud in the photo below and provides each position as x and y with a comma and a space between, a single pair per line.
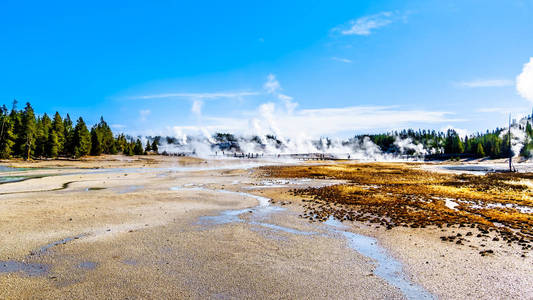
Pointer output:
279, 127
524, 81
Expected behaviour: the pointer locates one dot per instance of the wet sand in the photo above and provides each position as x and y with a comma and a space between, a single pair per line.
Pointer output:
183, 228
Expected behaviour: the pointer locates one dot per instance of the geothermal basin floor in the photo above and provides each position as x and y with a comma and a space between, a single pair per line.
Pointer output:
182, 228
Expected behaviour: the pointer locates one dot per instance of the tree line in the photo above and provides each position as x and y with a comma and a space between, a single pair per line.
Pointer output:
494, 144
25, 135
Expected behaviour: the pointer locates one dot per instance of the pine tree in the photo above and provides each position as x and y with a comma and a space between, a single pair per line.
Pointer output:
453, 143
68, 148
148, 148
106, 137
458, 145
24, 134
52, 144
128, 149
16, 121
469, 146
96, 145
479, 150
138, 147
505, 150
6, 134
155, 147
27, 138
43, 126
121, 143
40, 138
59, 129
81, 139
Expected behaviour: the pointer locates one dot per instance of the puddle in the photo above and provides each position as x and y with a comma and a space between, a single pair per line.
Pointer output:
282, 228
6, 179
87, 265
35, 269
7, 169
63, 187
227, 216
128, 189
277, 183
522, 209
47, 247
453, 203
263, 202
450, 204
386, 267
94, 189
239, 166
130, 262
15, 176
232, 216
473, 169
28, 269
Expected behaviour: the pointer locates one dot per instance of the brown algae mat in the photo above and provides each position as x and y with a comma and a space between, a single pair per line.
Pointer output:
401, 194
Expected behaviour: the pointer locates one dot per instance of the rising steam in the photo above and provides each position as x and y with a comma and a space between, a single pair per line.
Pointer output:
524, 81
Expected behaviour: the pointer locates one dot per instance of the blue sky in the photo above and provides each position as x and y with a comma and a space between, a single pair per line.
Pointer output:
318, 67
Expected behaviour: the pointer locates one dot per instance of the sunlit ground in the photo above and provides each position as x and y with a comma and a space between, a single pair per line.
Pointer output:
398, 194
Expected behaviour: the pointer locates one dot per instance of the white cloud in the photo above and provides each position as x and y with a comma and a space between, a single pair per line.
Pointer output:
197, 107
512, 109
461, 132
290, 106
280, 116
365, 25
284, 97
118, 126
491, 109
199, 95
313, 123
524, 81
480, 83
272, 85
144, 113
344, 60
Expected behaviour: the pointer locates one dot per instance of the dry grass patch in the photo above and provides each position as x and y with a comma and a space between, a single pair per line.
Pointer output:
398, 194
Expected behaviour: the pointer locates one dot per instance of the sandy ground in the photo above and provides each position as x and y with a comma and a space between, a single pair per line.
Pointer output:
129, 235
448, 270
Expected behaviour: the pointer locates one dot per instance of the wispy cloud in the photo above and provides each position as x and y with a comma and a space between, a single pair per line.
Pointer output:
512, 109
365, 25
481, 83
215, 95
272, 84
340, 59
144, 113
118, 126
197, 107
491, 109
